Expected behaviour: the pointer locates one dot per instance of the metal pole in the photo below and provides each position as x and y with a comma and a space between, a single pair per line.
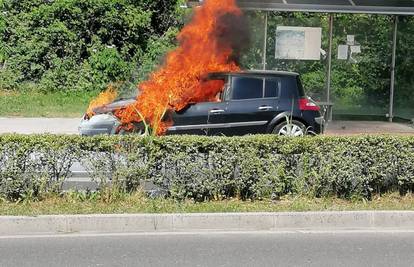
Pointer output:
329, 72
394, 53
265, 42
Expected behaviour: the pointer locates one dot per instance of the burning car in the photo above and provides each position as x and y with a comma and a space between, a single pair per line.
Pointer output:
252, 102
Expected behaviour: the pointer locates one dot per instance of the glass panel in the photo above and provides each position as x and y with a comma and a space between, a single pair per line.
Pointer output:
247, 88
361, 66
361, 57
404, 82
272, 88
313, 72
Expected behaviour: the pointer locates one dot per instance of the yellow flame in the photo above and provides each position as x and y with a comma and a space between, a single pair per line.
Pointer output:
104, 98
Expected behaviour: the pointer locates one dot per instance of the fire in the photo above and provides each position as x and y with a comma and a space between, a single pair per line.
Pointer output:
205, 46
104, 98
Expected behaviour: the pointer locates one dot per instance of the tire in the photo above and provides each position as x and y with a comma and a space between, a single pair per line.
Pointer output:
139, 130
296, 129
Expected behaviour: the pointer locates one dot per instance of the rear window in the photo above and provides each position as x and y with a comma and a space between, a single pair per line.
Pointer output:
247, 88
300, 86
272, 87
291, 87
286, 87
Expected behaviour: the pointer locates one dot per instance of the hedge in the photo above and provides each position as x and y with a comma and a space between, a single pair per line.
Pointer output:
205, 168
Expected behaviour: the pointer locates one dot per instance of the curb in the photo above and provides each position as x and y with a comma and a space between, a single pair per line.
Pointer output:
152, 223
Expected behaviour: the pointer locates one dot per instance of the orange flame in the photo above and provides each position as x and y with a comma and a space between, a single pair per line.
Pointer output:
179, 81
104, 98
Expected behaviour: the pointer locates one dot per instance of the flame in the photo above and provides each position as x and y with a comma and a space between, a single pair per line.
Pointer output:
104, 98
179, 81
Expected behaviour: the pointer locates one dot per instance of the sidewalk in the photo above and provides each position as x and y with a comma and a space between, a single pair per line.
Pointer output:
70, 126
153, 223
368, 127
39, 125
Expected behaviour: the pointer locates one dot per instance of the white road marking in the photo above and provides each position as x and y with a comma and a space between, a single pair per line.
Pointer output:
206, 233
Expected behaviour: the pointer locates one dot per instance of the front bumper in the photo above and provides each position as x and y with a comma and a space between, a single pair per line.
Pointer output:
102, 124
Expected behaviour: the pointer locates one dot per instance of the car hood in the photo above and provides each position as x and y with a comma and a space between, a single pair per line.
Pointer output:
122, 103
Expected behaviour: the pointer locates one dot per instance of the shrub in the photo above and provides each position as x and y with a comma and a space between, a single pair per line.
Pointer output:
205, 168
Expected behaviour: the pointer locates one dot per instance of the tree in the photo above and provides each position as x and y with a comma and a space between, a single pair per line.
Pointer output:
79, 44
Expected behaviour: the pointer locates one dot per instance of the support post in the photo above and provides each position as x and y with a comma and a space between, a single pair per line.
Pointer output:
265, 41
329, 71
393, 63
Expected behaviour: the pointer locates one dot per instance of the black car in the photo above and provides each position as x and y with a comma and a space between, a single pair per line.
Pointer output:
254, 102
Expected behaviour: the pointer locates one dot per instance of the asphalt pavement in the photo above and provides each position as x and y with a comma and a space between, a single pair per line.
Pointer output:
39, 125
70, 126
212, 249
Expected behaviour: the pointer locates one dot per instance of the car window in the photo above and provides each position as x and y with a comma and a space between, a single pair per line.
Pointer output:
226, 91
246, 88
300, 87
289, 88
272, 87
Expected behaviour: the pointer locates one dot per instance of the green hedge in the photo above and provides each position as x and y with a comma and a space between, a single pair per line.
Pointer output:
204, 168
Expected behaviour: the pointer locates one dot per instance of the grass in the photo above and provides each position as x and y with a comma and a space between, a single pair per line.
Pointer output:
34, 104
137, 203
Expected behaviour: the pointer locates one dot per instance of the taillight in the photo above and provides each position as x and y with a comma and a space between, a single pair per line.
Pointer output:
305, 104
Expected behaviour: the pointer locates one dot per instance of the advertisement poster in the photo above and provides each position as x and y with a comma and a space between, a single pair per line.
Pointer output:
299, 43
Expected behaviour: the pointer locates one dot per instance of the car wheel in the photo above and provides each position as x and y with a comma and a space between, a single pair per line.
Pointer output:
139, 130
293, 129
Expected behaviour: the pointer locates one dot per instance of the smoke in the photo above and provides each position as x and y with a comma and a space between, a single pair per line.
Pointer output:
232, 31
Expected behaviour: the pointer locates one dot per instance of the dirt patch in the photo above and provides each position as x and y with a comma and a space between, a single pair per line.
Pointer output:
8, 93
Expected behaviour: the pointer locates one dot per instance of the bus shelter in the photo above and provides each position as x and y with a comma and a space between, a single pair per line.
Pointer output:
354, 55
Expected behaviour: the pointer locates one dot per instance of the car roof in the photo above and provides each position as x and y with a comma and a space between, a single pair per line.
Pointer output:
254, 73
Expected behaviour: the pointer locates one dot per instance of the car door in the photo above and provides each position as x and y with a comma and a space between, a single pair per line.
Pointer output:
251, 105
194, 119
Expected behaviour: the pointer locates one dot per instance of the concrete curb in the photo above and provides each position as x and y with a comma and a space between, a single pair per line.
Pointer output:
136, 223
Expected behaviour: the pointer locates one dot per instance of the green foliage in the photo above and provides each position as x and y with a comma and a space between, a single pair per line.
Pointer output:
30, 166
204, 168
113, 202
68, 45
107, 65
3, 49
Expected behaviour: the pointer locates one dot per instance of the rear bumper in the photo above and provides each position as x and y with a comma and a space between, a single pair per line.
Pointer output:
319, 125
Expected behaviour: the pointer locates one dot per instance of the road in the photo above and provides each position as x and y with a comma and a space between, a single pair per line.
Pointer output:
212, 249
39, 125
70, 126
